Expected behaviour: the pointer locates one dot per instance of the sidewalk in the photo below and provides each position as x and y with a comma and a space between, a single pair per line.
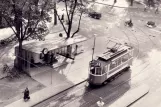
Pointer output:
42, 95
131, 96
152, 100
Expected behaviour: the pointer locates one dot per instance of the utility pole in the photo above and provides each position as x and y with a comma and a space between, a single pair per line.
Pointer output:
93, 46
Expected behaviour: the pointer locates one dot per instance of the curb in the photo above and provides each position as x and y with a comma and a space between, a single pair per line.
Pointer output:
131, 97
60, 92
138, 99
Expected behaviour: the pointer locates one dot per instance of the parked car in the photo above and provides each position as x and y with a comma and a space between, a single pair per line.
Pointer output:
95, 15
150, 24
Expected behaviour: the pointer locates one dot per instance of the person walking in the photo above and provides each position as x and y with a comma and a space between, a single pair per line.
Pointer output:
157, 10
26, 94
62, 17
145, 8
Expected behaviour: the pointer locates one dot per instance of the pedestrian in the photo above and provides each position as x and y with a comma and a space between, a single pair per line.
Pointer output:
32, 62
76, 48
100, 103
62, 17
145, 8
52, 58
26, 94
157, 10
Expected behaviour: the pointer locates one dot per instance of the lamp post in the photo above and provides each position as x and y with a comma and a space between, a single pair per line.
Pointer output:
93, 46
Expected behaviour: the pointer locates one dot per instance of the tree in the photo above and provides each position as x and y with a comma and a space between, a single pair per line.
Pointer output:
28, 20
131, 2
55, 16
71, 6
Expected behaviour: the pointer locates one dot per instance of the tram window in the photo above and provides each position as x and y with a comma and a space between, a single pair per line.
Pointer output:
98, 71
118, 61
63, 50
113, 64
130, 54
125, 57
103, 70
92, 70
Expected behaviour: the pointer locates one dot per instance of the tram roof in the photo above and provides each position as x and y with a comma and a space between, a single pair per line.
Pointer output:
111, 55
52, 43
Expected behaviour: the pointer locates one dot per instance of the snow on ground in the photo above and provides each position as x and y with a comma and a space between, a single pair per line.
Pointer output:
5, 33
121, 3
54, 30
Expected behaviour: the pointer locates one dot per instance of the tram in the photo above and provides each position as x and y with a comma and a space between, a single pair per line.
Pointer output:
106, 67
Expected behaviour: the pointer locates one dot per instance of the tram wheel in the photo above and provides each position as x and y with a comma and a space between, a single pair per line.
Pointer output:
127, 68
111, 79
105, 82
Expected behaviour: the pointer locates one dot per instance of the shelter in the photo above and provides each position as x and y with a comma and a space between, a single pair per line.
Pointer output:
44, 52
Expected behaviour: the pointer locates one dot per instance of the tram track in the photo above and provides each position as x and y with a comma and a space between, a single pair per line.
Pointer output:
146, 61
136, 74
93, 90
116, 87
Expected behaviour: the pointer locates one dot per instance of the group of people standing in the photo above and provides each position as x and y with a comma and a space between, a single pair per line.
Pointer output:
49, 58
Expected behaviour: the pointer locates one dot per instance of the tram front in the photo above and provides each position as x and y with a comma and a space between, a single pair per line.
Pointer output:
95, 73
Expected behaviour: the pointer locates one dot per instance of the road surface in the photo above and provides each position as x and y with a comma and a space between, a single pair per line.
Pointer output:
146, 65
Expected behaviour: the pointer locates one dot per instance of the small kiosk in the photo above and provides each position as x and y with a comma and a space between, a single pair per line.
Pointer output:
46, 52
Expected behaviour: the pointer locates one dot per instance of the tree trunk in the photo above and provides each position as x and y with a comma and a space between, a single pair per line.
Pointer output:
0, 18
55, 16
69, 30
132, 2
20, 57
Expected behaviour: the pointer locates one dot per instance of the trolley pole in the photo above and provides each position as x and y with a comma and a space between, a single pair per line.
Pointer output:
93, 46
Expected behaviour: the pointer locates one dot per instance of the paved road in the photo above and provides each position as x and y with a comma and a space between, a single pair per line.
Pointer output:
146, 65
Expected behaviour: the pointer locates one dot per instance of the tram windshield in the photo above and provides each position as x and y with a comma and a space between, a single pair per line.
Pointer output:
95, 68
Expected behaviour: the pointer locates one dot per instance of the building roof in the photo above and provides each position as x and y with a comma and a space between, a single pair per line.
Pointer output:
52, 43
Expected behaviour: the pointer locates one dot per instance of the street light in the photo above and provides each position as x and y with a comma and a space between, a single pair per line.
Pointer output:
93, 46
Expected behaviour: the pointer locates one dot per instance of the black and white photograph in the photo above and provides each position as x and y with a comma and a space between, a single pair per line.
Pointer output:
80, 53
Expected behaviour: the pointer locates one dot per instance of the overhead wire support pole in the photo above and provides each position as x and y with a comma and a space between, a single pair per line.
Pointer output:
93, 46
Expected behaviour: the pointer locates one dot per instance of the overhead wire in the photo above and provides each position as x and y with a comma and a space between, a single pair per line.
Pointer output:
137, 40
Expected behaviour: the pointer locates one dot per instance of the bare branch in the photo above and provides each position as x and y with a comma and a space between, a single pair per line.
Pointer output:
78, 26
75, 4
33, 29
61, 23
36, 22
67, 10
29, 17
24, 4
22, 36
9, 24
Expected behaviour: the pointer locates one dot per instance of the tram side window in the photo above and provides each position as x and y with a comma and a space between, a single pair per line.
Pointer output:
118, 61
92, 70
98, 71
103, 70
125, 57
130, 54
113, 64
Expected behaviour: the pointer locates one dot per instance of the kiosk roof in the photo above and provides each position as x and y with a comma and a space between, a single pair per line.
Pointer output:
54, 43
